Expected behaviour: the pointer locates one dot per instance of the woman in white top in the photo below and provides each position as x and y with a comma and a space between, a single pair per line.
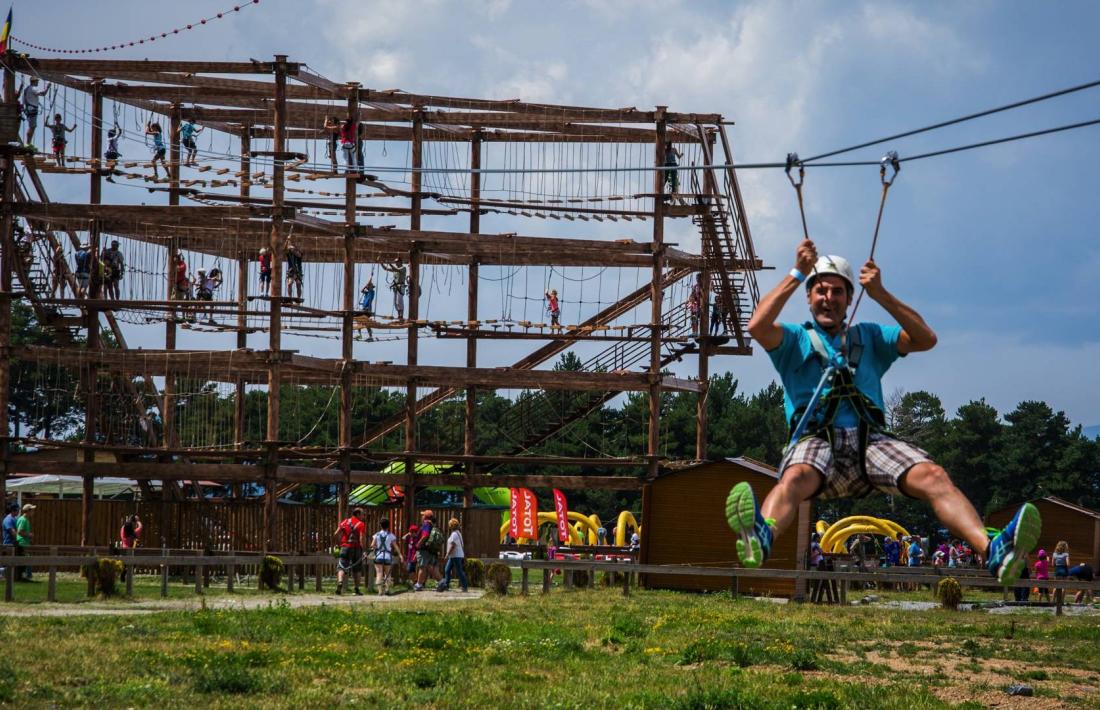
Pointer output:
386, 552
456, 558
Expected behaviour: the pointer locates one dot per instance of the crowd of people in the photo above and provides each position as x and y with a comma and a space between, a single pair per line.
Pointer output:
417, 554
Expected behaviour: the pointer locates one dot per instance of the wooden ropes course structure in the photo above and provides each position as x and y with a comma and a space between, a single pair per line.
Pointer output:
331, 223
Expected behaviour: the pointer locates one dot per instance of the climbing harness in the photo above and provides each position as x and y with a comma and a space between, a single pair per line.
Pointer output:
892, 160
838, 376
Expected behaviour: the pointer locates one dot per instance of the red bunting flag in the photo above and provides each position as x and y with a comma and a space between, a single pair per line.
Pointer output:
561, 507
525, 514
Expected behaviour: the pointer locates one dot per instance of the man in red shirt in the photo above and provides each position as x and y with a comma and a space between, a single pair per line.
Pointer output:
351, 532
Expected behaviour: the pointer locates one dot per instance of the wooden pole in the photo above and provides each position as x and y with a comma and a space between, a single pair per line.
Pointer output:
275, 342
91, 383
469, 438
7, 227
413, 314
168, 410
348, 321
704, 368
653, 448
242, 296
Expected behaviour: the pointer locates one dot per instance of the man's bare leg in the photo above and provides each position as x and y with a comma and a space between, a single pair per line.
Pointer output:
930, 482
798, 484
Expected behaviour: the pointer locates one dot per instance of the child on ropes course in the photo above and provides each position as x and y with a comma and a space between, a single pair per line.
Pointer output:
672, 160
265, 269
366, 303
112, 154
695, 305
58, 129
553, 307
114, 266
158, 148
187, 133
332, 127
831, 374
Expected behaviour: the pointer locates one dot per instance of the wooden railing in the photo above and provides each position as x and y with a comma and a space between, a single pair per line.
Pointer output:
296, 566
895, 575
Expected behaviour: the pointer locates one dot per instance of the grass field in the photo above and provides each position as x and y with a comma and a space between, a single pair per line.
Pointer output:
566, 649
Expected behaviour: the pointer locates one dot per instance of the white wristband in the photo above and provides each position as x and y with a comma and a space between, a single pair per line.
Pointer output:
797, 275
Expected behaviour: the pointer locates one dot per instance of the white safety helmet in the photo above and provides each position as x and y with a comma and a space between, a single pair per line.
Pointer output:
832, 264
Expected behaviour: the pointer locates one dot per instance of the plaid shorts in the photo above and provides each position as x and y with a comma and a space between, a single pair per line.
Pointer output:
888, 459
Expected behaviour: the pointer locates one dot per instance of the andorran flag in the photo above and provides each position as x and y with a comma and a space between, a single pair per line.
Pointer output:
5, 33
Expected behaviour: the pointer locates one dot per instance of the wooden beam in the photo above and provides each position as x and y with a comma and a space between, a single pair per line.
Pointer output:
104, 68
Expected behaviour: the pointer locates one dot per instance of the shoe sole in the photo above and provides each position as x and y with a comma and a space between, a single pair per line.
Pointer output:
1024, 541
741, 517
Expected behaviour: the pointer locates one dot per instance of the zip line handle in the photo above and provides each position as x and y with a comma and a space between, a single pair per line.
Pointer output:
890, 159
793, 160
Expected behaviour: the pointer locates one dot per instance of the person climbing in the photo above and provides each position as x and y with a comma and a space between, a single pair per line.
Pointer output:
293, 269
349, 143
366, 303
29, 98
332, 127
695, 304
114, 266
553, 307
841, 448
205, 285
112, 154
82, 268
182, 283
159, 149
717, 319
187, 133
57, 272
58, 129
397, 284
265, 269
672, 160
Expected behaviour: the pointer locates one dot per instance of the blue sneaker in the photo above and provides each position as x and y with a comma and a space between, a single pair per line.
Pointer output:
754, 532
1007, 551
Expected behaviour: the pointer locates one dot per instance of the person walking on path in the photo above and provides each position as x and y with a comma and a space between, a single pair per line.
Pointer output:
410, 539
385, 549
10, 540
351, 533
428, 546
456, 558
832, 378
24, 536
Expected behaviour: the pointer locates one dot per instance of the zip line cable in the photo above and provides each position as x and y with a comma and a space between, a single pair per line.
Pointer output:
961, 119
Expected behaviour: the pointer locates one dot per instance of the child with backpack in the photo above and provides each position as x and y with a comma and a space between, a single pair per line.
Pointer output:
384, 547
58, 129
428, 547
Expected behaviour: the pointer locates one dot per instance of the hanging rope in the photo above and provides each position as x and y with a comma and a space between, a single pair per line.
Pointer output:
890, 159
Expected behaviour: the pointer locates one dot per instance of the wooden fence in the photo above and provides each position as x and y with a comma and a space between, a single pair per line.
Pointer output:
238, 524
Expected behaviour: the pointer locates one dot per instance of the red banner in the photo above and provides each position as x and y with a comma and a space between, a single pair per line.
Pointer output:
513, 523
562, 509
525, 515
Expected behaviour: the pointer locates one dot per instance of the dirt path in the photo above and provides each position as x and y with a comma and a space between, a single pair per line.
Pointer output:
124, 608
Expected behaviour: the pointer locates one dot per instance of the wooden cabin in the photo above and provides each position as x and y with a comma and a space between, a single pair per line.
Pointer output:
1062, 520
684, 523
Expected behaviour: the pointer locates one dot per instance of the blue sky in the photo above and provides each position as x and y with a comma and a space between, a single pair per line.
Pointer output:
996, 248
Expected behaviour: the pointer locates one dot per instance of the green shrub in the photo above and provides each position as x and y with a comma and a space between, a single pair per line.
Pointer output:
106, 573
475, 572
949, 593
271, 572
498, 577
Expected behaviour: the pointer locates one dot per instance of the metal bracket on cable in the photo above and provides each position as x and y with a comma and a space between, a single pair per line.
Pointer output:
890, 159
793, 160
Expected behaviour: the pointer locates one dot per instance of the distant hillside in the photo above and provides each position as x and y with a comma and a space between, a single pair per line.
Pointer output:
1091, 432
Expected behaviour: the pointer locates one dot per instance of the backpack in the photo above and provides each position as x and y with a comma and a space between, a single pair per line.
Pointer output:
434, 542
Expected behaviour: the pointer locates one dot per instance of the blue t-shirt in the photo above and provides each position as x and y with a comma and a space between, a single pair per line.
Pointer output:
9, 529
800, 369
187, 130
915, 552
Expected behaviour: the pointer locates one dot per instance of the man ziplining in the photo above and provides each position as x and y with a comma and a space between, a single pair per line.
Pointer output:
831, 374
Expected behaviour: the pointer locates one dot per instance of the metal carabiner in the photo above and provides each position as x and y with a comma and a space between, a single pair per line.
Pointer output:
894, 162
793, 160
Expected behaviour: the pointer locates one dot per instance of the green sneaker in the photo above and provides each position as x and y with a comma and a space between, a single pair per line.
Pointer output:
754, 533
1008, 551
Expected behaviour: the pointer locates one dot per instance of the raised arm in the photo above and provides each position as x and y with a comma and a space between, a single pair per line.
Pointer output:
916, 335
764, 326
